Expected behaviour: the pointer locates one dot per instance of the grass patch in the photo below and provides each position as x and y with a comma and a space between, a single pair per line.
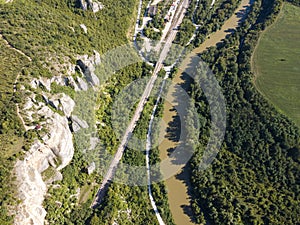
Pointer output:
48, 173
276, 63
85, 193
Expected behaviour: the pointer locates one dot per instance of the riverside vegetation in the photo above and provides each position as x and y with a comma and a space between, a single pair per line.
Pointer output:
253, 179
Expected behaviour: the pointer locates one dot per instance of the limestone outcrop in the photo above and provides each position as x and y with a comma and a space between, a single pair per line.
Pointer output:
87, 65
78, 124
54, 149
93, 5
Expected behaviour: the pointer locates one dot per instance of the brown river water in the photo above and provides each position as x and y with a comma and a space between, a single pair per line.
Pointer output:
178, 185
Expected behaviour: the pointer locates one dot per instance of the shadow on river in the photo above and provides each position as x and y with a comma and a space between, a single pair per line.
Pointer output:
178, 186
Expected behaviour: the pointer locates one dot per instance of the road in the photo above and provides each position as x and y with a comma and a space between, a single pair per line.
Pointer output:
114, 163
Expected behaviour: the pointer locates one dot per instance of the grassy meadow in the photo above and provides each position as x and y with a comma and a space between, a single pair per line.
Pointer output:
276, 63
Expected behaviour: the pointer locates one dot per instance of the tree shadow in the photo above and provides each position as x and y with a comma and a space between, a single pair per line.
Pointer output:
173, 129
184, 176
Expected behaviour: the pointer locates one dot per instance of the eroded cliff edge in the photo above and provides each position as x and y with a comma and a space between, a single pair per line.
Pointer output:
54, 147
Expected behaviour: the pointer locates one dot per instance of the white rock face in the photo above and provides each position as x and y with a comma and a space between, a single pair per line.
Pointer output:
84, 28
77, 124
68, 104
46, 83
95, 6
60, 141
57, 148
31, 185
87, 65
72, 82
82, 84
91, 168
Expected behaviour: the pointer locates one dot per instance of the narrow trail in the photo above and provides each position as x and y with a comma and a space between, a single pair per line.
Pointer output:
17, 104
17, 78
12, 47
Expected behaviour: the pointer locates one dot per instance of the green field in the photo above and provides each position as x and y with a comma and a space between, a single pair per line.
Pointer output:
276, 63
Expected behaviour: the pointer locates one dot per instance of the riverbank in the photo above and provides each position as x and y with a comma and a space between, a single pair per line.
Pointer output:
178, 185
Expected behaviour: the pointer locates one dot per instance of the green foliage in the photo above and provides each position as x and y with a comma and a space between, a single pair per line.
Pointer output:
49, 31
185, 33
253, 180
62, 205
275, 62
11, 129
123, 203
211, 19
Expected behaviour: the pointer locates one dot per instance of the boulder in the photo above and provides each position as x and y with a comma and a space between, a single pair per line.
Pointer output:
91, 168
56, 177
67, 104
82, 4
93, 5
72, 83
86, 66
84, 28
82, 84
45, 82
78, 124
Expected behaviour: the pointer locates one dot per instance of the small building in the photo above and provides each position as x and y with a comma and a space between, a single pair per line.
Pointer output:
152, 10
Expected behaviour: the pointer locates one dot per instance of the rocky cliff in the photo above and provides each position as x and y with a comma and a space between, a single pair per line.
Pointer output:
93, 5
54, 149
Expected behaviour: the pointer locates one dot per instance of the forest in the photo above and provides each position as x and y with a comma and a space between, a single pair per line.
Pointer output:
255, 177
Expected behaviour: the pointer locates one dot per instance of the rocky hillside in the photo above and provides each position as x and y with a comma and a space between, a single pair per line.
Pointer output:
50, 50
51, 117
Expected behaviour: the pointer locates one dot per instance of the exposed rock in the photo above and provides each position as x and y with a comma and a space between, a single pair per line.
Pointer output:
31, 186
61, 102
87, 65
58, 204
83, 4
84, 28
77, 124
56, 177
67, 104
72, 83
95, 6
34, 83
91, 168
54, 102
82, 84
60, 80
28, 104
60, 141
93, 142
45, 82
58, 147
